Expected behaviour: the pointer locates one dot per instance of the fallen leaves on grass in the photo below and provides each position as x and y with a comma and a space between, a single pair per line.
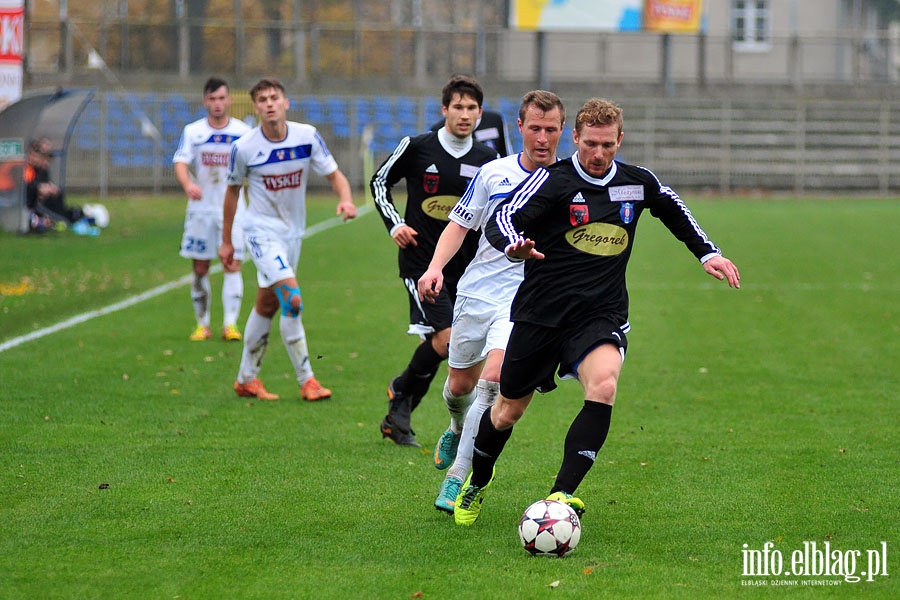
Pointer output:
20, 288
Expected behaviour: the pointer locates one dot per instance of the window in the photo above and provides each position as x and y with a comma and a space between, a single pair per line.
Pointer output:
751, 25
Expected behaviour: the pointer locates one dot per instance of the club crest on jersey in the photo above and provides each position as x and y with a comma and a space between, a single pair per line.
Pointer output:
431, 182
578, 214
626, 211
279, 154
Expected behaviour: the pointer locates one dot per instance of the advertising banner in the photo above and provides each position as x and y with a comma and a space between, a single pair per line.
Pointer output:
673, 16
665, 16
584, 15
12, 45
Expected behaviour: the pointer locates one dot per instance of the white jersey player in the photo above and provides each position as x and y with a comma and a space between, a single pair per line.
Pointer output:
275, 159
201, 163
481, 324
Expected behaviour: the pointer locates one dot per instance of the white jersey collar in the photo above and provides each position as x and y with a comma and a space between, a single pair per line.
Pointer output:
454, 146
603, 181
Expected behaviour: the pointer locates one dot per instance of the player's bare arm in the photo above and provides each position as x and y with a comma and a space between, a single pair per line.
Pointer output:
722, 268
523, 249
183, 176
448, 245
229, 208
341, 187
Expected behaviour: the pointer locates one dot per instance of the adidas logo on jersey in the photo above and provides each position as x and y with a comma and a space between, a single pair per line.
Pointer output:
431, 169
578, 198
505, 182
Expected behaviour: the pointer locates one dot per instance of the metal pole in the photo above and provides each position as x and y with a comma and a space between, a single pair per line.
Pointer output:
480, 50
543, 78
701, 59
238, 40
183, 40
420, 41
300, 72
68, 54
104, 149
667, 64
794, 53
124, 60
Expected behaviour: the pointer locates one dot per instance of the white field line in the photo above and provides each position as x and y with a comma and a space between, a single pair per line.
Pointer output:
186, 280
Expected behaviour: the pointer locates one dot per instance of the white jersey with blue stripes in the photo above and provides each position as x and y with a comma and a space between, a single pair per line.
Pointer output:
490, 276
277, 174
206, 150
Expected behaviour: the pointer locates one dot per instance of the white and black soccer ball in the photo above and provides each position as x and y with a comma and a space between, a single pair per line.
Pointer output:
549, 528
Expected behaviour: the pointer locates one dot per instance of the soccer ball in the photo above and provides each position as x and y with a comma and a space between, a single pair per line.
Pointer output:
549, 528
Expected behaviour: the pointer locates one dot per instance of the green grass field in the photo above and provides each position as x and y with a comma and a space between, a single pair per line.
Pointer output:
769, 414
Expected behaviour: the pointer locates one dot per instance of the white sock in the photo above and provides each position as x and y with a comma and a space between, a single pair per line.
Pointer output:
201, 291
294, 337
232, 294
256, 340
457, 405
485, 395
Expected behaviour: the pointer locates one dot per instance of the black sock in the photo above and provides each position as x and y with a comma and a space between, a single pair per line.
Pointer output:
423, 367
489, 444
585, 438
423, 384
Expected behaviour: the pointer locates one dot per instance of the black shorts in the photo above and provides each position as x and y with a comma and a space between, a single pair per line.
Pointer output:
424, 317
535, 353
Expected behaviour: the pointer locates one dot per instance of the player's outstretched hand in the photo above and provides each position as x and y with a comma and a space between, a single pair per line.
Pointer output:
722, 268
523, 249
430, 284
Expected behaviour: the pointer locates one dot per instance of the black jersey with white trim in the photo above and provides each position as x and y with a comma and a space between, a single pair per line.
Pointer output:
435, 181
585, 227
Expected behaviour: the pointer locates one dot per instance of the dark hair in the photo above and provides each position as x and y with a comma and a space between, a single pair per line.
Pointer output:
464, 86
544, 101
212, 84
264, 84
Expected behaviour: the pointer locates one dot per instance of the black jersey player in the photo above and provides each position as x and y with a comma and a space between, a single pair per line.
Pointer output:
576, 220
437, 167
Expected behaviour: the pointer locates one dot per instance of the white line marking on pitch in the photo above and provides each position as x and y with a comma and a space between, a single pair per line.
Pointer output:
186, 280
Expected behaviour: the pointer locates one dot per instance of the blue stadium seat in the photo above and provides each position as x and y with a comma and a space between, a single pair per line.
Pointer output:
509, 108
313, 111
337, 115
432, 111
406, 112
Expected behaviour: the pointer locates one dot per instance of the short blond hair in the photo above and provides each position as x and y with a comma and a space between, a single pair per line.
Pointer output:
597, 112
544, 101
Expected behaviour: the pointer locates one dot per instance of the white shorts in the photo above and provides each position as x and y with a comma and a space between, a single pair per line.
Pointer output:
275, 258
478, 327
203, 236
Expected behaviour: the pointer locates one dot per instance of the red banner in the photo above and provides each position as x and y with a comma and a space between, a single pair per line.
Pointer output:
12, 25
673, 16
